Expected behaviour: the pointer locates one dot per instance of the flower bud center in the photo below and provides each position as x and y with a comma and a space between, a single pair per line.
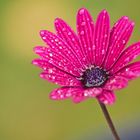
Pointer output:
94, 77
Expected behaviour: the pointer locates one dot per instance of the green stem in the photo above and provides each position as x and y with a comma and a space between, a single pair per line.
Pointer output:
109, 121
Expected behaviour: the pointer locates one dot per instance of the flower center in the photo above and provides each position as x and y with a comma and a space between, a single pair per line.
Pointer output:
94, 77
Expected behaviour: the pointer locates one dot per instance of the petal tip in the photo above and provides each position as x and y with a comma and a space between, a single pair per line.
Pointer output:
34, 62
38, 49
42, 32
82, 10
57, 20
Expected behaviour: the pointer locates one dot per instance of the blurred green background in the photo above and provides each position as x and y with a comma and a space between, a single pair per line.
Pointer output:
26, 113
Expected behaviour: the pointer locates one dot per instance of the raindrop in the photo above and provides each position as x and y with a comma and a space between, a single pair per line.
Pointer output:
83, 23
44, 37
103, 51
82, 32
50, 54
60, 47
81, 11
63, 29
69, 33
105, 35
124, 41
50, 70
56, 40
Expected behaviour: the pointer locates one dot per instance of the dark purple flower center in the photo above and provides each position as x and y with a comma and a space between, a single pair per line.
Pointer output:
94, 77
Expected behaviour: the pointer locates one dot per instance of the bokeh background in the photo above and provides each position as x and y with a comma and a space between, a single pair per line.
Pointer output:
26, 113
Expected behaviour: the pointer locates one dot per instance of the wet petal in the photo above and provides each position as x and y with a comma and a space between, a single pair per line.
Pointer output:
101, 37
127, 56
60, 46
92, 92
66, 92
85, 30
116, 82
120, 35
66, 33
58, 60
107, 97
55, 75
130, 71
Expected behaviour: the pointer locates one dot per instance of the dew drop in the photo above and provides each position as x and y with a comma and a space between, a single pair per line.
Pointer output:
44, 68
82, 32
83, 23
69, 33
103, 51
112, 52
44, 37
124, 42
50, 70
68, 94
81, 11
126, 69
42, 33
61, 96
56, 40
73, 39
64, 29
105, 35
53, 77
93, 47
50, 54
105, 102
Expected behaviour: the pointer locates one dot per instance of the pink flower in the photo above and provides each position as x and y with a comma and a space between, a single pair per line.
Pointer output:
92, 63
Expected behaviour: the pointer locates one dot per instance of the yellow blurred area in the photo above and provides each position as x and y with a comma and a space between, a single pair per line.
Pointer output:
26, 113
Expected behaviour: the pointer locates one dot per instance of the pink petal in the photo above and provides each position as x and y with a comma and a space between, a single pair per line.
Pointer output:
127, 56
92, 92
66, 92
120, 35
85, 30
58, 60
66, 33
107, 97
116, 82
130, 71
101, 37
60, 46
55, 75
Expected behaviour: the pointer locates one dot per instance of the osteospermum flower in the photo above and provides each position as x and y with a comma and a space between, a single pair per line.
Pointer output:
91, 63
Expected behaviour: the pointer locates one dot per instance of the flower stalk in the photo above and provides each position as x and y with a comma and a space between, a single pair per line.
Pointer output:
109, 121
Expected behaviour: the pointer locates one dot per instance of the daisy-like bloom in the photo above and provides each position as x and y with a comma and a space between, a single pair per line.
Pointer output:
91, 63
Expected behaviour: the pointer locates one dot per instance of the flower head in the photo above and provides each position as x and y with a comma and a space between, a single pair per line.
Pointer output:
92, 63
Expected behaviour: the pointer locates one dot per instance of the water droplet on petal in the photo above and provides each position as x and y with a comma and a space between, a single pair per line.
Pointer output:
105, 102
83, 23
68, 94
82, 32
44, 37
124, 41
50, 54
60, 47
103, 51
63, 29
105, 35
112, 52
50, 70
81, 11
56, 40
69, 33
93, 47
